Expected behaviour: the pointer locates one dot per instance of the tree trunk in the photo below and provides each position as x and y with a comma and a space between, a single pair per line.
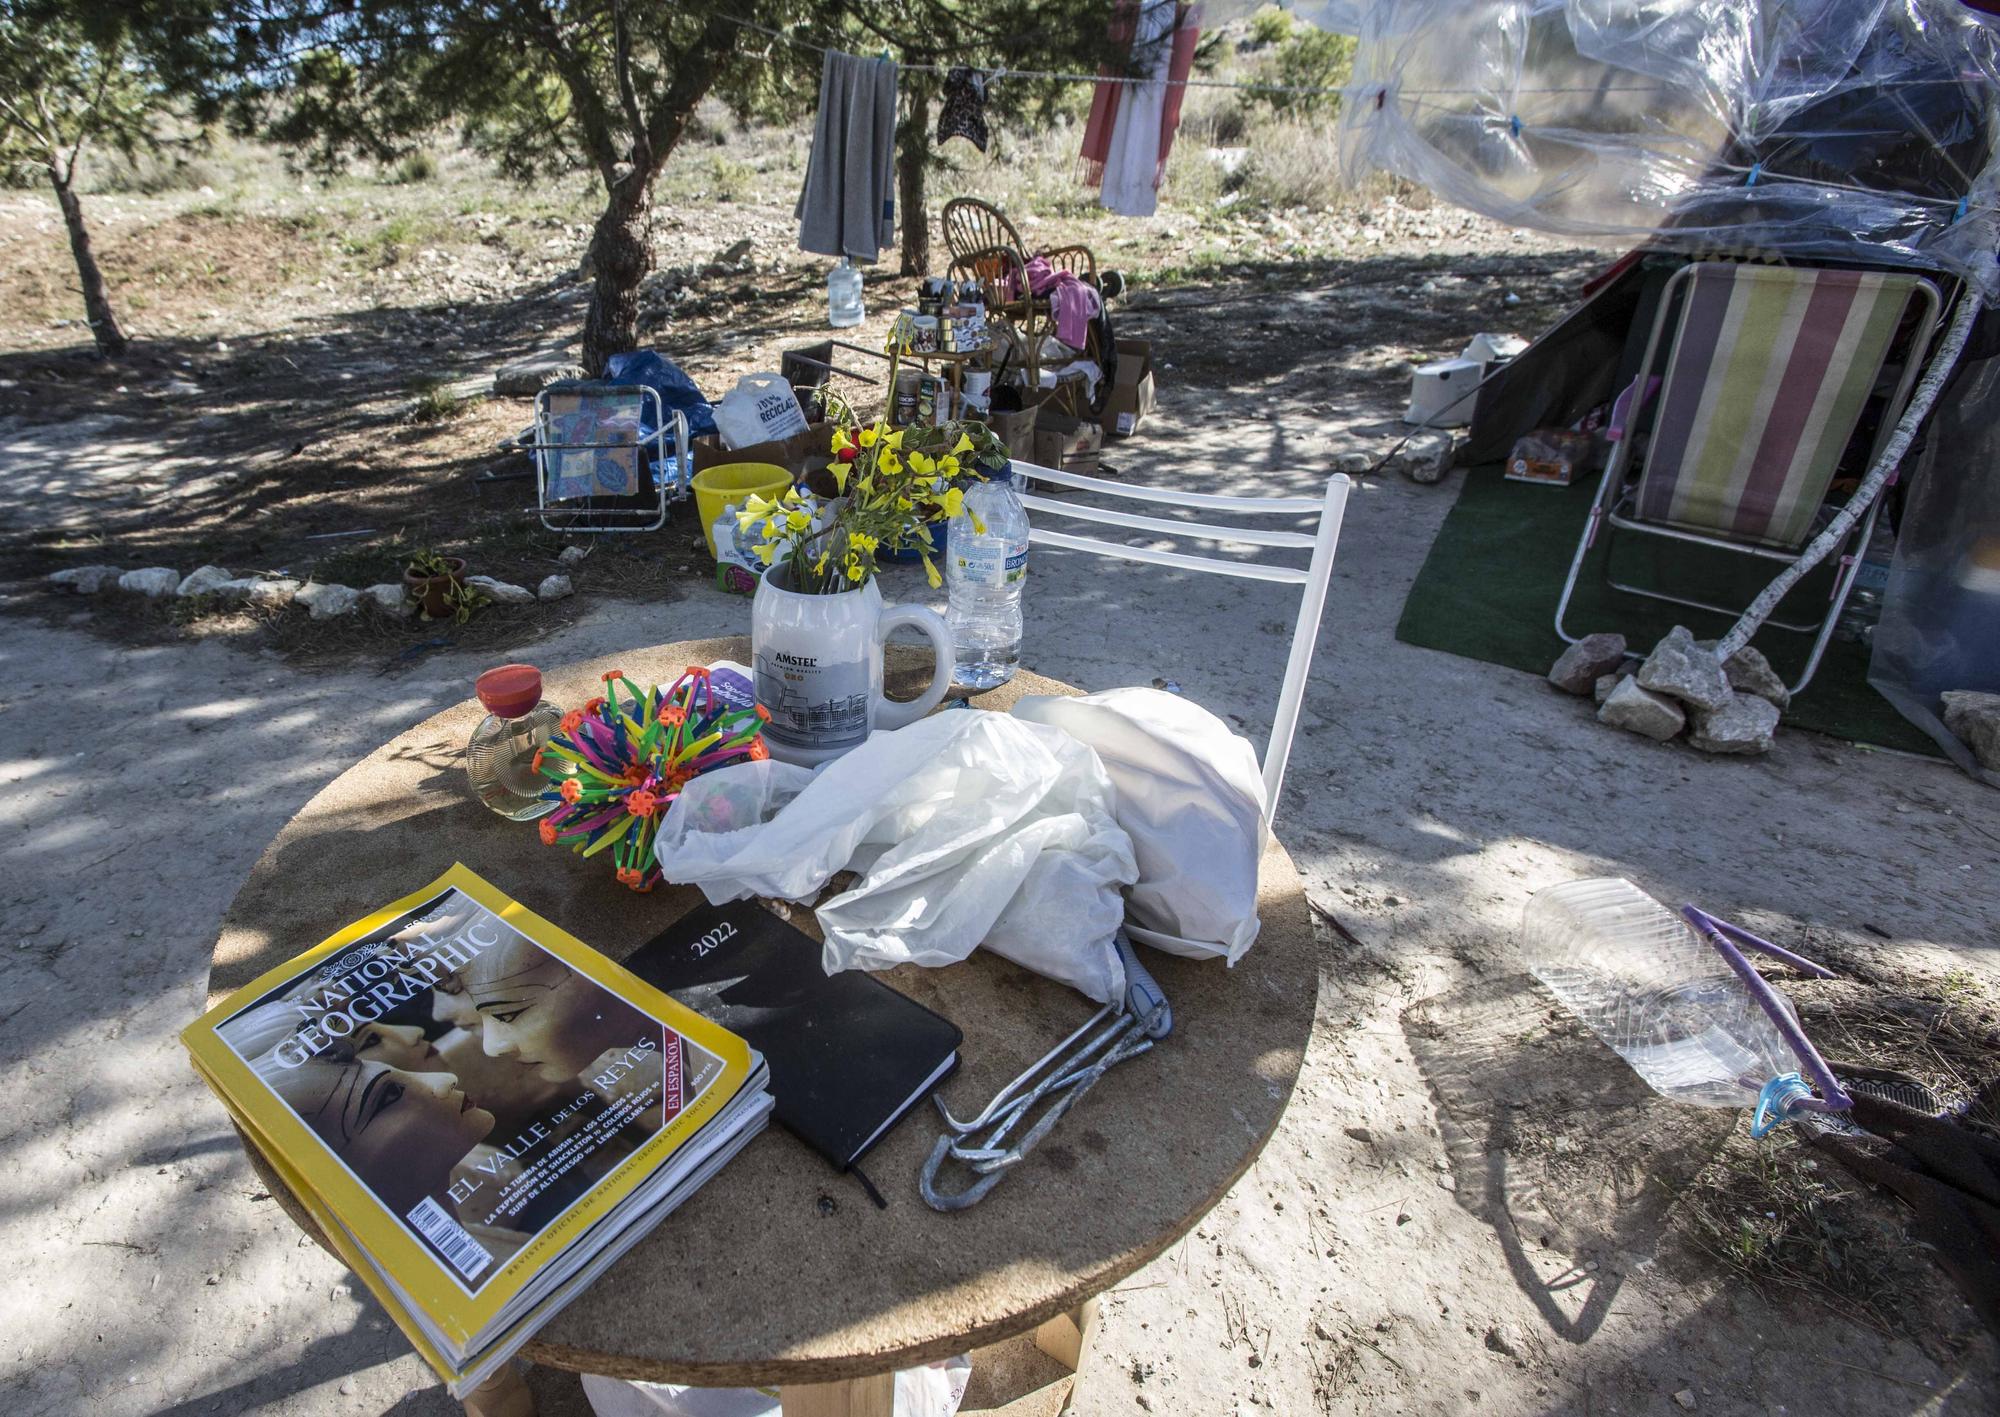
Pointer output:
912, 157
96, 303
621, 254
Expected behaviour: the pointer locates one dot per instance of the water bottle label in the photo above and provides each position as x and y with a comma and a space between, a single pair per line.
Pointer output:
988, 563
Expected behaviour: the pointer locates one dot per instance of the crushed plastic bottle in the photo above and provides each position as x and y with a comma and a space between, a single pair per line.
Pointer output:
1642, 980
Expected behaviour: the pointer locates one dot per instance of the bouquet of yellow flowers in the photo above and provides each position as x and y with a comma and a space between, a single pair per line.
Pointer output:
888, 486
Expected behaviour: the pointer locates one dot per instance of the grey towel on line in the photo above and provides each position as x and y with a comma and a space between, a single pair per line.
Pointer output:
848, 204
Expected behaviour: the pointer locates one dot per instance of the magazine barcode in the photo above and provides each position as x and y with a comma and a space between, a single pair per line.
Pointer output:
466, 1254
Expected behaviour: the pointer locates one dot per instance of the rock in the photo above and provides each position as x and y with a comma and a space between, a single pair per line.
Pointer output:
1601, 690
1974, 719
1743, 725
1684, 1399
1749, 672
529, 377
572, 555
554, 588
1353, 462
1680, 667
202, 580
1426, 457
85, 580
154, 581
391, 599
326, 601
501, 592
1634, 709
279, 591
1578, 668
1507, 1339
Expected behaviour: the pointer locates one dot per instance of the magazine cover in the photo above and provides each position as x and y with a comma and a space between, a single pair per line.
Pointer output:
467, 1087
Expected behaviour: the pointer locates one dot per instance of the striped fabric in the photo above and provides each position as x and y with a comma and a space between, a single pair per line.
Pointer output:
1765, 382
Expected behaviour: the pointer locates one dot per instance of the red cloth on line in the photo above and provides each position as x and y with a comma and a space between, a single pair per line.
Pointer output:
1097, 129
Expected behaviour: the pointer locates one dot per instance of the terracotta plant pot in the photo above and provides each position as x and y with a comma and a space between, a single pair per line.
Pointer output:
430, 591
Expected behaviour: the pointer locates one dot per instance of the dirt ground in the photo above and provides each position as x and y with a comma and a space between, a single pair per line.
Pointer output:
1470, 1206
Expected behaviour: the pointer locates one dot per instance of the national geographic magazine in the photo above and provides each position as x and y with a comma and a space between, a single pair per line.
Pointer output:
480, 1111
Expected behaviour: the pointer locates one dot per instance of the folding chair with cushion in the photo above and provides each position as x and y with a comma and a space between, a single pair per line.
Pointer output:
602, 459
1761, 388
985, 247
1328, 509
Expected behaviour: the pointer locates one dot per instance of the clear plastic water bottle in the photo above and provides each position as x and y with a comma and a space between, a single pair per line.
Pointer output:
843, 296
985, 573
1643, 981
500, 758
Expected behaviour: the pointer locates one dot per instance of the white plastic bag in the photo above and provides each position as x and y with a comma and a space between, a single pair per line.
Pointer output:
969, 828
934, 1390
761, 409
1191, 797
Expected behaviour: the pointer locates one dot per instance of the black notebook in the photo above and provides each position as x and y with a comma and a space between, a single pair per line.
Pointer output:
848, 1054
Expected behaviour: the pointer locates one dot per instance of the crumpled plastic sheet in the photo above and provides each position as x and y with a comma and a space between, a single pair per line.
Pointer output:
1829, 129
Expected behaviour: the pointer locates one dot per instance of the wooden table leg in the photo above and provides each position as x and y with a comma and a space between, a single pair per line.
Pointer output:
1064, 1336
857, 1397
505, 1394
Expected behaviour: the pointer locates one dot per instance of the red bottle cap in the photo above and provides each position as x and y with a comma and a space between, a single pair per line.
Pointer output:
510, 691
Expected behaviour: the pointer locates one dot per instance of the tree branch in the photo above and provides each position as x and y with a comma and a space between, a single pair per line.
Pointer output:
621, 64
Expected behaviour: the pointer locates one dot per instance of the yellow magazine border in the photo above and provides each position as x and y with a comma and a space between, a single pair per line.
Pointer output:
306, 1160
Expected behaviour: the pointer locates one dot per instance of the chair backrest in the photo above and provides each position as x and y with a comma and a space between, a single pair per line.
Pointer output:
985, 247
1312, 579
1766, 378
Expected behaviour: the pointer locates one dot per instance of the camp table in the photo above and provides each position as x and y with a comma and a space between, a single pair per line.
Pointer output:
779, 1272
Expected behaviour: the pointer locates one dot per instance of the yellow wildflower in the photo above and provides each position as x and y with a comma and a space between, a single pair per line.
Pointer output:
887, 460
948, 466
922, 464
931, 571
767, 551
841, 442
954, 502
964, 443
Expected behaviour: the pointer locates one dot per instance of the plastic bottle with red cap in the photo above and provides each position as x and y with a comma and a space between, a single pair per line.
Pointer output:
500, 759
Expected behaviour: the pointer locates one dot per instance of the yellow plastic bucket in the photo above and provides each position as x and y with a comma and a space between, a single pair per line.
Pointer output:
731, 484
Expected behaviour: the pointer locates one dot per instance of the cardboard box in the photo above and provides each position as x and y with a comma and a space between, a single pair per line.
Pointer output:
1016, 427
1068, 444
1132, 394
796, 454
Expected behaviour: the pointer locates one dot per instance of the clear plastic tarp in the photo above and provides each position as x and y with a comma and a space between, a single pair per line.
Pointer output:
1835, 129
1940, 625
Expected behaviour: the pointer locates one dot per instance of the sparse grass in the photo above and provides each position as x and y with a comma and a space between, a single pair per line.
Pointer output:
418, 166
437, 403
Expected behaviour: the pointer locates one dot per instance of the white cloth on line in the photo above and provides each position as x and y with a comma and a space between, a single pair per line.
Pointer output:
1133, 160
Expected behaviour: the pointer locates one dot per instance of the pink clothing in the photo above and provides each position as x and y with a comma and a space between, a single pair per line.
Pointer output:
1073, 303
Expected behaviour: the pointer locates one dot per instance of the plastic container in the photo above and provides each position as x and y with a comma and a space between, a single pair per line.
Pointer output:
1643, 981
731, 484
762, 408
986, 573
500, 757
843, 296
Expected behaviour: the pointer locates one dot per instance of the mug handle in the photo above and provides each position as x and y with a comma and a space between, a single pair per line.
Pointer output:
893, 714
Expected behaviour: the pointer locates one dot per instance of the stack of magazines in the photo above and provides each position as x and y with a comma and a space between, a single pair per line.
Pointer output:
480, 1112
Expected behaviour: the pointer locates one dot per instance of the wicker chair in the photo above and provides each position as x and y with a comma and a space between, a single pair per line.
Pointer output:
985, 247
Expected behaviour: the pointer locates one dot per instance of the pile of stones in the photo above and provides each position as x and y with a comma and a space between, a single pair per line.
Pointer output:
322, 600
1680, 689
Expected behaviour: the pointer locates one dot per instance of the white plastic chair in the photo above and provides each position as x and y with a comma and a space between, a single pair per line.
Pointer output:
1314, 578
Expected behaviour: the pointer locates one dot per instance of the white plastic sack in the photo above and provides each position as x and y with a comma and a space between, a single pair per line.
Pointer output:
934, 1390
761, 409
969, 828
1190, 795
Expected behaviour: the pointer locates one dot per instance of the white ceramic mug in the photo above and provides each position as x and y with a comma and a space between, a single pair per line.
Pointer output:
818, 662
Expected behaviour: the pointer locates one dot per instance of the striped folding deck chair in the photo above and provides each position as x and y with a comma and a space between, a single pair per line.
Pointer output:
1763, 385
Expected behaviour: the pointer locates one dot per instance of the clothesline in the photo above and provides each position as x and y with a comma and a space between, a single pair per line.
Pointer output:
1242, 86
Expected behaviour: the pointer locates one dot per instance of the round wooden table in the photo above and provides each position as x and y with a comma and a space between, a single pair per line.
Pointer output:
758, 1279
